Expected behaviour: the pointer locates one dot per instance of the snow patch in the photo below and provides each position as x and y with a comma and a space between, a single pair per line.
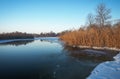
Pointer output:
107, 70
40, 38
109, 48
117, 57
12, 40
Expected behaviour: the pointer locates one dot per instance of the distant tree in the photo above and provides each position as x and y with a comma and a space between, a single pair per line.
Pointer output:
15, 35
103, 14
90, 19
100, 31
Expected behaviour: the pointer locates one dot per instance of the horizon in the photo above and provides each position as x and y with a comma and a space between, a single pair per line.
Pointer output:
36, 16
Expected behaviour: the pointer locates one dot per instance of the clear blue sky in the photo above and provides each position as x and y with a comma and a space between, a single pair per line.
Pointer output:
35, 16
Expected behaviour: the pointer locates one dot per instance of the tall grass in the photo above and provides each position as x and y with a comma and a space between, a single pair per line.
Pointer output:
106, 36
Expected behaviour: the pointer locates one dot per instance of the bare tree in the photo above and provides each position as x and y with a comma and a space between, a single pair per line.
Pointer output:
90, 19
103, 14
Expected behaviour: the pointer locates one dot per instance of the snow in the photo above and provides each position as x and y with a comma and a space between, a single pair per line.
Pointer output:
47, 38
117, 58
38, 38
109, 48
107, 70
11, 40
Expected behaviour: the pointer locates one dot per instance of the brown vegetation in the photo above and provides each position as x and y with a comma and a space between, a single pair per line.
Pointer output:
98, 32
107, 36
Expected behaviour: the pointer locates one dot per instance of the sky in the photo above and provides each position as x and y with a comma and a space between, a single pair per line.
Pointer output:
36, 16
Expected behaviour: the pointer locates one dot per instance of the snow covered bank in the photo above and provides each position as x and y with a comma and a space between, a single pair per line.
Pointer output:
38, 38
107, 70
47, 38
11, 40
108, 48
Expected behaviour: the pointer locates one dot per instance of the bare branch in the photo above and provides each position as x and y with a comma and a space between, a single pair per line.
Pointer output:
103, 14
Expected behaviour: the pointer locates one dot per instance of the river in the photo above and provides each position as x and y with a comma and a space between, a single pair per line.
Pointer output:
48, 58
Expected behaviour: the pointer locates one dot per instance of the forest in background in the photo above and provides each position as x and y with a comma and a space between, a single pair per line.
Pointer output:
99, 31
20, 35
15, 35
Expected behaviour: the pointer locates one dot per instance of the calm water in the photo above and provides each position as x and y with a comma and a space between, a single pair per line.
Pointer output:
48, 58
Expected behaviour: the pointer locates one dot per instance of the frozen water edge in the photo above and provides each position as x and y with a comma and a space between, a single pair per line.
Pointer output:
107, 70
36, 38
109, 48
11, 40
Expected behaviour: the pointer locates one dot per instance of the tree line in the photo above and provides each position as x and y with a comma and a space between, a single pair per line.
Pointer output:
17, 43
15, 35
20, 35
47, 34
99, 31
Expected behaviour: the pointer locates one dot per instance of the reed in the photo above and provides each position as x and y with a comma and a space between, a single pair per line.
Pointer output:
106, 36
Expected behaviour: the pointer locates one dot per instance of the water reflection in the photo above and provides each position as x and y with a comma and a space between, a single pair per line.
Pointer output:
27, 41
50, 39
90, 54
47, 41
48, 58
18, 43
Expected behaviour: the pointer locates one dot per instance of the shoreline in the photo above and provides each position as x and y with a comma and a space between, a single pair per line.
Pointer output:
105, 48
94, 47
35, 38
107, 70
12, 40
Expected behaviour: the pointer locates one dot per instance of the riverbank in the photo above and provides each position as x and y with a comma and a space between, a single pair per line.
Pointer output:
107, 70
103, 48
106, 48
12, 40
35, 38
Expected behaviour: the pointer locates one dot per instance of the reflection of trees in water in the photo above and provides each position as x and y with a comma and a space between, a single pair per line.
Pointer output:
50, 41
44, 40
17, 43
90, 54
